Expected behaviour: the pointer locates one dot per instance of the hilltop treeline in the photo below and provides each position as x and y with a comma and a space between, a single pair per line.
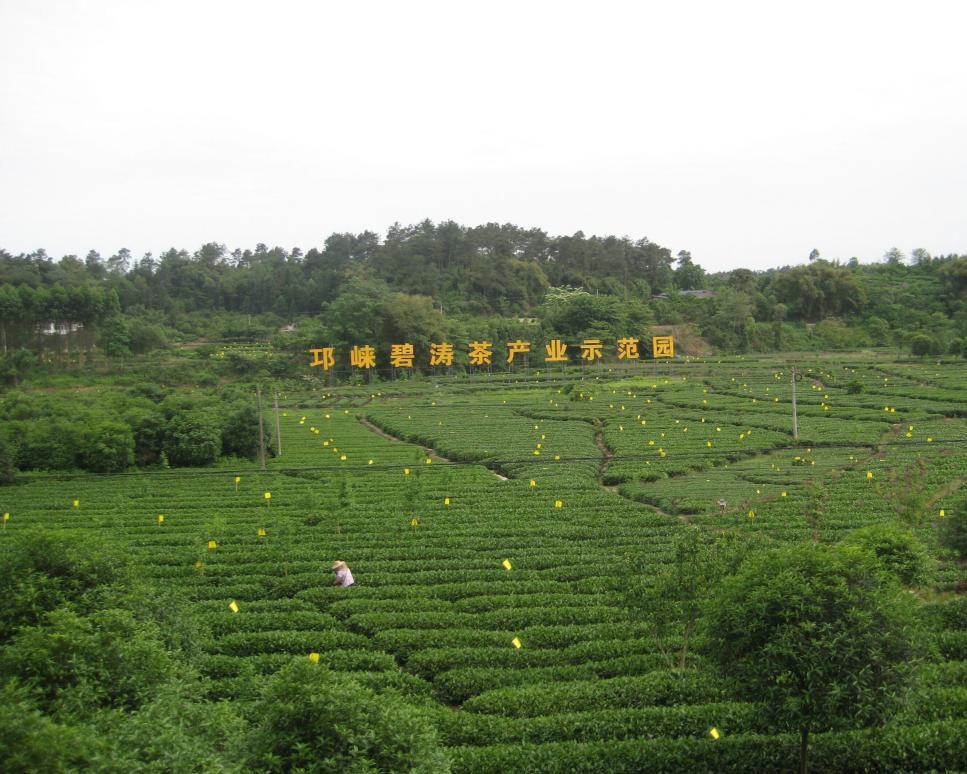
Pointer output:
485, 269
428, 280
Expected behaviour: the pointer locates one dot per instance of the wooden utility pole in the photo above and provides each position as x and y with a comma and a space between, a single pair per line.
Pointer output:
278, 430
258, 395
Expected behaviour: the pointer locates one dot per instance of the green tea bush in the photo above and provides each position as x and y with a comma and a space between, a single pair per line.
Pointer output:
938, 746
953, 529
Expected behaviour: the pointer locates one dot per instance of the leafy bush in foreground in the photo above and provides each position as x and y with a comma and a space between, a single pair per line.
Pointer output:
897, 550
315, 720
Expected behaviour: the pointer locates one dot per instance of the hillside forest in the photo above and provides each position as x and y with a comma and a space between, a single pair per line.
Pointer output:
431, 282
210, 317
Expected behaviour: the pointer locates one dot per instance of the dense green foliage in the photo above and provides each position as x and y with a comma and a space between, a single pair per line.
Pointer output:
817, 635
171, 620
897, 550
673, 596
314, 720
96, 667
953, 531
113, 430
447, 282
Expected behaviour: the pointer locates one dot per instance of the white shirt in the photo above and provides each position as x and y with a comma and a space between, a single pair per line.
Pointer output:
344, 577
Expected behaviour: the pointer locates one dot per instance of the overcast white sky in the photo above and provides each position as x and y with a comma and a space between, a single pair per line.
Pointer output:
746, 132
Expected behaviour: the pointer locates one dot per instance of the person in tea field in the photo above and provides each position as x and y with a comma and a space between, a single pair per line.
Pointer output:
343, 575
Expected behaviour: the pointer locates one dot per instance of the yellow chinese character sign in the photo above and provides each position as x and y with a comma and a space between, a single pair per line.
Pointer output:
663, 346
517, 348
401, 355
441, 354
591, 349
556, 351
323, 356
480, 353
628, 349
362, 357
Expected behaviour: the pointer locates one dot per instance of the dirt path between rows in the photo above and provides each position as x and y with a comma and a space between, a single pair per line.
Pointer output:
947, 489
427, 450
606, 455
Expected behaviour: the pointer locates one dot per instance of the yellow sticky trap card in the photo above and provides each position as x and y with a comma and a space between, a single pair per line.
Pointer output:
533, 482
198, 564
212, 544
267, 495
314, 658
406, 471
507, 565
233, 606
558, 503
261, 532
515, 642
414, 522
446, 500
237, 479
76, 503
161, 518
714, 733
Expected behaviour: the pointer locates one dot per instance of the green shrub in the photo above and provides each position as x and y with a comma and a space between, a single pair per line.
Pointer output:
240, 435
32, 742
818, 635
7, 469
313, 720
75, 664
896, 549
192, 440
107, 448
49, 445
38, 573
953, 645
953, 527
172, 733
922, 344
144, 337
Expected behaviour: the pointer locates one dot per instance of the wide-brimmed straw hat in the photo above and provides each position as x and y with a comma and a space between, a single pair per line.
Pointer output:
337, 565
